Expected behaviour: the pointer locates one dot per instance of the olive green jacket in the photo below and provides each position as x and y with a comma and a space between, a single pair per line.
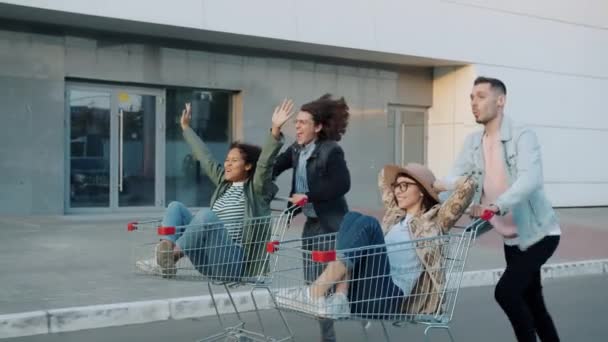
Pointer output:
259, 191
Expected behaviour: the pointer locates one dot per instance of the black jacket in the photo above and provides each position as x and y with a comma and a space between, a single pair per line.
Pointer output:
328, 180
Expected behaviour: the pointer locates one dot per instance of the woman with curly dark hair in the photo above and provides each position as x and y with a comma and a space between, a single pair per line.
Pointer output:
320, 175
244, 188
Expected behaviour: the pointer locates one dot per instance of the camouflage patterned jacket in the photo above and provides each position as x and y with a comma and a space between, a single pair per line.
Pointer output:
425, 297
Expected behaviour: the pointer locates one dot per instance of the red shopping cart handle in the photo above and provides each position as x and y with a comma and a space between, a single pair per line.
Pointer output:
323, 256
487, 215
166, 230
302, 202
272, 246
131, 226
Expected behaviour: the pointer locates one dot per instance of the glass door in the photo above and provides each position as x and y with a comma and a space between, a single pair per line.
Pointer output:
116, 147
89, 114
137, 142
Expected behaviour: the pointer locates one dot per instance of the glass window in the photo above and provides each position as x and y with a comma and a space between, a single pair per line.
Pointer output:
185, 182
137, 149
89, 148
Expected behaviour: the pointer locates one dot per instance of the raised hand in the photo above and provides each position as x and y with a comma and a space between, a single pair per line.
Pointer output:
281, 115
186, 116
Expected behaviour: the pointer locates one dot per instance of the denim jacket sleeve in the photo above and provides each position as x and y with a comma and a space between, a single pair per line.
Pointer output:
463, 165
528, 176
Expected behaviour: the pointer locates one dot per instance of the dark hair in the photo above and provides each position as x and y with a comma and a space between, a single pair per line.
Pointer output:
332, 114
427, 201
250, 153
495, 83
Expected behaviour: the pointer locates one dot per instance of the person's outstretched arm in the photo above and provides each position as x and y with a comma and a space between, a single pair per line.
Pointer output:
213, 169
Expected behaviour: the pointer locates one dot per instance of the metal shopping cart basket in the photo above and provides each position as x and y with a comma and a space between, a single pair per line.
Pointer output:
211, 252
368, 293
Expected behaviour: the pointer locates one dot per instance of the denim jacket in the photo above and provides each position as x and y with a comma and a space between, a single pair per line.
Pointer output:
533, 214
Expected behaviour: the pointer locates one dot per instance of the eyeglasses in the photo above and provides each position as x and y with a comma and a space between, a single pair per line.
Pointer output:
303, 122
402, 186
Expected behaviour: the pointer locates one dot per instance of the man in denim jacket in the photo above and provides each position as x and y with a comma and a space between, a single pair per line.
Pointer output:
505, 161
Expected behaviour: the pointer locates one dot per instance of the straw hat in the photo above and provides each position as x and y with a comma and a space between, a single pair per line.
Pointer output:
418, 172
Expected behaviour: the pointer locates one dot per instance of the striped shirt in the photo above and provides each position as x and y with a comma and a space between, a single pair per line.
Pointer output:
302, 177
229, 207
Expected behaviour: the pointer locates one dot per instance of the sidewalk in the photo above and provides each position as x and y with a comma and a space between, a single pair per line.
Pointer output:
82, 260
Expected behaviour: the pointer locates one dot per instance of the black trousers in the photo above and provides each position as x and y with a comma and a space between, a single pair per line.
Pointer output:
519, 291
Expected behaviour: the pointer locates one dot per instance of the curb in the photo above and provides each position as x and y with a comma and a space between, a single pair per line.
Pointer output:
113, 315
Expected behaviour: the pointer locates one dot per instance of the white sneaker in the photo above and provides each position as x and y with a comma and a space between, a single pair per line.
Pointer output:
148, 266
338, 306
299, 299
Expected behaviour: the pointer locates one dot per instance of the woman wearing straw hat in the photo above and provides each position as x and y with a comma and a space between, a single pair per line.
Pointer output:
384, 280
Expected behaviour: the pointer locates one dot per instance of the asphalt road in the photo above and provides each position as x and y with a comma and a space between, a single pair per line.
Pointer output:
579, 307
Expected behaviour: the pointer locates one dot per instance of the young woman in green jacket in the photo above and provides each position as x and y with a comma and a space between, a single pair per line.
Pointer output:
216, 244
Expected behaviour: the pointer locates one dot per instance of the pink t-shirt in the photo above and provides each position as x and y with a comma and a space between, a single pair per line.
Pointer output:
495, 183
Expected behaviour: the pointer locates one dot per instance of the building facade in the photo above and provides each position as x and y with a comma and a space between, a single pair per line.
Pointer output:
92, 92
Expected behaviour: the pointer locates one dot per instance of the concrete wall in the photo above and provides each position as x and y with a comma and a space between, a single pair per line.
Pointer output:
32, 130
33, 68
570, 118
450, 118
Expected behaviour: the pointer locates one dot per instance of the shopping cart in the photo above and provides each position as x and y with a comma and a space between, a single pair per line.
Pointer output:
215, 252
366, 293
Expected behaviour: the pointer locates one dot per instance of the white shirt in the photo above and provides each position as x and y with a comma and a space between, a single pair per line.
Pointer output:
401, 252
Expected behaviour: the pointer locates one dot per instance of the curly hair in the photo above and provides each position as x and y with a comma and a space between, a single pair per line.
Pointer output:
332, 114
250, 153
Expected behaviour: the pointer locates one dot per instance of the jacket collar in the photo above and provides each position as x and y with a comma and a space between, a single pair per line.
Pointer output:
315, 145
311, 146
506, 126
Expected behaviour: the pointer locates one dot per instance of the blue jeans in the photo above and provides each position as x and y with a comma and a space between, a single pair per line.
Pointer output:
314, 238
372, 293
205, 241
